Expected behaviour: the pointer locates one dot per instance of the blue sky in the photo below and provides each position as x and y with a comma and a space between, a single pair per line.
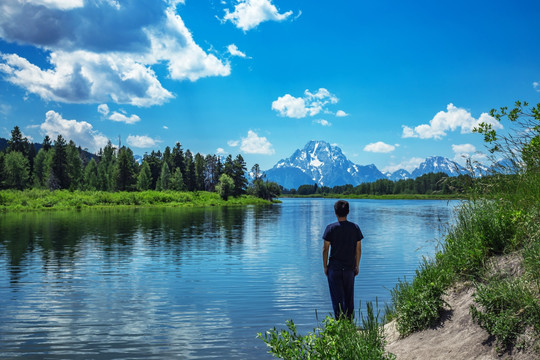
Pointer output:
389, 82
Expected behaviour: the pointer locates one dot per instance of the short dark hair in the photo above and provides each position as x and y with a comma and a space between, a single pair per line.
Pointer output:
341, 207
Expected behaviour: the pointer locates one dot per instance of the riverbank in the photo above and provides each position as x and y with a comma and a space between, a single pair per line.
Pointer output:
382, 197
38, 200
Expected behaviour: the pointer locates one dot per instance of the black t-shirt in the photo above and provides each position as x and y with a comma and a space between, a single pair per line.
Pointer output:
343, 237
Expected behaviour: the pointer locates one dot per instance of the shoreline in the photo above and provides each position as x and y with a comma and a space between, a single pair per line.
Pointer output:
380, 197
45, 200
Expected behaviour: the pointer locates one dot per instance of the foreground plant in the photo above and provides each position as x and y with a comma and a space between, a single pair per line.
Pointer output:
334, 339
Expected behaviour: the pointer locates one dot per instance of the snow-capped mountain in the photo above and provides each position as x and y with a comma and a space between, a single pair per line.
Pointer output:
321, 163
435, 164
400, 174
325, 164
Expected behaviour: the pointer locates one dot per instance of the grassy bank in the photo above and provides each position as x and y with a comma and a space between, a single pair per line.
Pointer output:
503, 222
31, 200
381, 197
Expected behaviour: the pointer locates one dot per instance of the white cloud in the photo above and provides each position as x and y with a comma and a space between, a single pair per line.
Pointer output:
141, 141
341, 113
220, 151
255, 144
379, 147
81, 132
536, 86
463, 148
248, 14
165, 127
233, 50
88, 65
119, 117
408, 165
449, 120
233, 143
323, 122
58, 4
464, 152
299, 107
103, 109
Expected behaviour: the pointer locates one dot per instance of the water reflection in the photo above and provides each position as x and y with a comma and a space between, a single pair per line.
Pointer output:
187, 283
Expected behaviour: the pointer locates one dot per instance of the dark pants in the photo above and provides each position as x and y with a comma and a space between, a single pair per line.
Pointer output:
341, 283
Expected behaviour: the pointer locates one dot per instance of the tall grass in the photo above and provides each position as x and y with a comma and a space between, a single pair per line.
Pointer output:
333, 339
35, 199
502, 216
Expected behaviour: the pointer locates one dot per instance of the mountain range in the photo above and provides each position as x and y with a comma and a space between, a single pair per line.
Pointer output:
325, 164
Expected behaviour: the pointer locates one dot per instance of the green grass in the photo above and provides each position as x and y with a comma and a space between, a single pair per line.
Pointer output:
333, 339
506, 221
30, 200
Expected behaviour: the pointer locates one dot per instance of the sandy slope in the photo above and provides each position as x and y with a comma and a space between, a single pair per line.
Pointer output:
455, 337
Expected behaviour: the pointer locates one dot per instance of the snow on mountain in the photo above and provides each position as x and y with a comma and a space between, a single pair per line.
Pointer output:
323, 164
400, 174
435, 164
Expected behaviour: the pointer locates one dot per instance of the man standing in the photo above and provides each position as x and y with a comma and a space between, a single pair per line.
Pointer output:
342, 238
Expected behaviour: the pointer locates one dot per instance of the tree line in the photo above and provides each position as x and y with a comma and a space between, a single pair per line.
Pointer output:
60, 164
432, 183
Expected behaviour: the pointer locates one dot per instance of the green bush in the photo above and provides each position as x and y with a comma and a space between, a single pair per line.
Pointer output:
506, 308
418, 304
335, 339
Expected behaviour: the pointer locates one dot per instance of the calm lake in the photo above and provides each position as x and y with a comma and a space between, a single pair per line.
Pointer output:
190, 283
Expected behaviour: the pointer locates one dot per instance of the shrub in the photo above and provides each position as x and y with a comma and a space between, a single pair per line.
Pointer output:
335, 339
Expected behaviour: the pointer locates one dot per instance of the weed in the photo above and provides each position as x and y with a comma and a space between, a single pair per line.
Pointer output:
334, 339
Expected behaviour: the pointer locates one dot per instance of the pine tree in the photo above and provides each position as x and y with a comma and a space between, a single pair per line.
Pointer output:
59, 166
164, 179
46, 145
239, 175
41, 168
144, 180
189, 176
177, 156
199, 172
16, 170
17, 142
124, 170
177, 181
74, 166
91, 180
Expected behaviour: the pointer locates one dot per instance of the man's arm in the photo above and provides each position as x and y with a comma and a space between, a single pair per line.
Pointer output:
325, 249
358, 256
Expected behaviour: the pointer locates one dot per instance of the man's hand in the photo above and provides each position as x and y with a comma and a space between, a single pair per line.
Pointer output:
326, 270
356, 271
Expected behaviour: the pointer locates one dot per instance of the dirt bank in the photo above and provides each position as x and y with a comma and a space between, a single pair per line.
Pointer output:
455, 337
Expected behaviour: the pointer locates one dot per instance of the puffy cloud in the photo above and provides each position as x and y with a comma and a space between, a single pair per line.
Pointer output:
449, 120
536, 86
408, 165
379, 147
81, 132
463, 148
88, 65
233, 50
141, 141
290, 106
323, 122
220, 151
233, 143
465, 152
341, 113
253, 144
299, 107
248, 14
121, 117
103, 109
58, 4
